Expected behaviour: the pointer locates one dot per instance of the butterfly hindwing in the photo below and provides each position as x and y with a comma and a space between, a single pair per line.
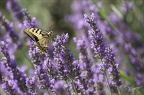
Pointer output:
40, 37
46, 38
41, 49
43, 41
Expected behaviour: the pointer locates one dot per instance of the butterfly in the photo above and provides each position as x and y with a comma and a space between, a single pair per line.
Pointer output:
41, 37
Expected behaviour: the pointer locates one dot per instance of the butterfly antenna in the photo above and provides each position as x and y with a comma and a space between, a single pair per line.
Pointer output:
49, 28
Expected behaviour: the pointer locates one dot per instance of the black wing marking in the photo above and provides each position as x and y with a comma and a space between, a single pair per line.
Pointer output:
40, 37
33, 37
41, 49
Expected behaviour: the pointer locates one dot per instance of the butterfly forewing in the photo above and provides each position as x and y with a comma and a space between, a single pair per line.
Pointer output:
41, 37
33, 33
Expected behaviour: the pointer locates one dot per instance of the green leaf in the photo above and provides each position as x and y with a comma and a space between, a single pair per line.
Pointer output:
103, 14
128, 78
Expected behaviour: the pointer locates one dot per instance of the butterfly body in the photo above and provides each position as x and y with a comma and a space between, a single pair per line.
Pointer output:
41, 37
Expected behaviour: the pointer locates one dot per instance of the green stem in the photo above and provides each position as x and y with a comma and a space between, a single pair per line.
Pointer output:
107, 81
73, 86
119, 92
49, 92
67, 83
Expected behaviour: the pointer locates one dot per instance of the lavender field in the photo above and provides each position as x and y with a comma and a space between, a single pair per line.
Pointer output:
97, 47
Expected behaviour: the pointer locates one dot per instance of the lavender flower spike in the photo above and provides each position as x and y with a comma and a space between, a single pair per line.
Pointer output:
9, 27
102, 52
15, 8
11, 66
11, 87
62, 57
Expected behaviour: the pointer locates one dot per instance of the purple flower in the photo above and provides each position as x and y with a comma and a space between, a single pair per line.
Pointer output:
101, 51
100, 46
10, 29
113, 18
88, 74
11, 87
127, 7
15, 8
29, 22
100, 88
96, 37
11, 66
43, 77
31, 83
61, 88
34, 54
134, 58
62, 57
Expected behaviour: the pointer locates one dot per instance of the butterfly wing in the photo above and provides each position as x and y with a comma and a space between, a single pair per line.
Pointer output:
50, 37
33, 33
46, 38
43, 42
42, 50
41, 37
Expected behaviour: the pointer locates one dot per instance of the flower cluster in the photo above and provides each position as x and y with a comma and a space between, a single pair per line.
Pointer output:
101, 48
102, 52
15, 74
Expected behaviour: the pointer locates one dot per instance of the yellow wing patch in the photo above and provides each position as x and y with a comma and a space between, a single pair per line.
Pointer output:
41, 37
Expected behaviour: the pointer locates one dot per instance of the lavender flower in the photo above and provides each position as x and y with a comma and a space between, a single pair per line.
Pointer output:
136, 62
15, 8
11, 66
29, 22
62, 57
32, 85
104, 54
127, 6
11, 87
60, 88
90, 79
42, 71
94, 72
10, 29
84, 61
83, 56
134, 58
33, 53
44, 79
